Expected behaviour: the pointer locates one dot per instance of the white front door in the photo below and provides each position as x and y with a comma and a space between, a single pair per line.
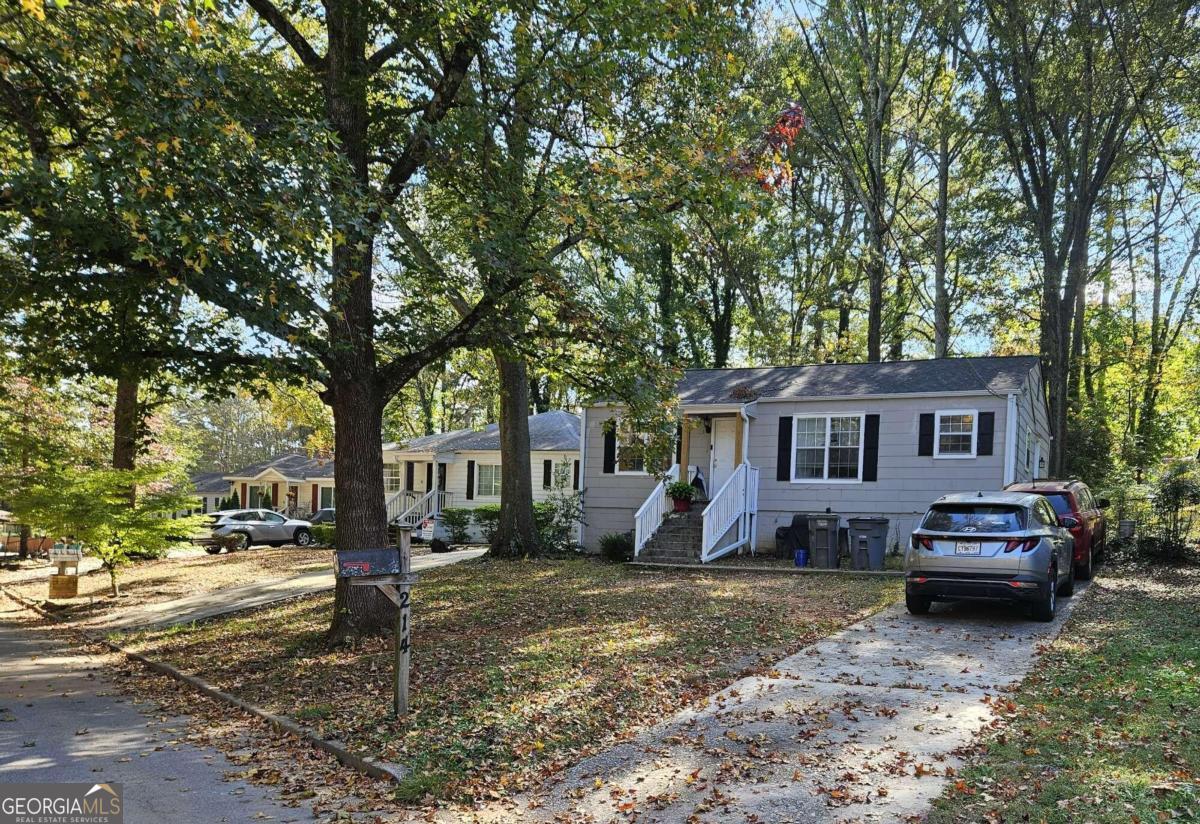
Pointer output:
721, 463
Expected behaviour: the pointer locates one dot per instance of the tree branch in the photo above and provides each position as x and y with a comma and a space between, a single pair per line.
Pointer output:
290, 34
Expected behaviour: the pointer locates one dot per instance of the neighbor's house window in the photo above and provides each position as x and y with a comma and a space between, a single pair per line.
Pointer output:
827, 448
326, 497
956, 431
631, 452
489, 480
1029, 451
392, 476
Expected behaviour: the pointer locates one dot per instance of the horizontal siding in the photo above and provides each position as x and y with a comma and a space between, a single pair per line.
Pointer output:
907, 482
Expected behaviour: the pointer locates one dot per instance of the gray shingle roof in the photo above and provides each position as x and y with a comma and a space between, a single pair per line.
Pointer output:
555, 431
823, 380
290, 465
210, 483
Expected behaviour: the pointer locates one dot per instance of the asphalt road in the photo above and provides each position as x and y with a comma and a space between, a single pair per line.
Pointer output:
61, 720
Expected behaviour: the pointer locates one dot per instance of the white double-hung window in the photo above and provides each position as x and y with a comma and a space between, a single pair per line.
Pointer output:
392, 476
827, 448
956, 433
488, 484
631, 453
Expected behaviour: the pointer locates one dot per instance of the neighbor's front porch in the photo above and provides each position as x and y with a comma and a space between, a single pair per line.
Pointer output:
712, 446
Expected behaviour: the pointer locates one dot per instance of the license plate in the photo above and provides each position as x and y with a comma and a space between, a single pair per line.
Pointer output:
967, 548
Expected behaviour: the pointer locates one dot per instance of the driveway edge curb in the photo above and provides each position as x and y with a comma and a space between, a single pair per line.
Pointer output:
364, 764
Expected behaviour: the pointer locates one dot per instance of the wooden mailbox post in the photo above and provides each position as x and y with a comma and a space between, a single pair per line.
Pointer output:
389, 571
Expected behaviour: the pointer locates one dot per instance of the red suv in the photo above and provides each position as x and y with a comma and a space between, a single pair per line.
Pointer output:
1074, 499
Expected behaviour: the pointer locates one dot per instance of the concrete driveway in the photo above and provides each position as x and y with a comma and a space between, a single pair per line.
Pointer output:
863, 726
61, 720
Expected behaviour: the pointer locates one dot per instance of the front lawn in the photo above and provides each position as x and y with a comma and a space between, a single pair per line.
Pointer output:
1107, 727
144, 582
519, 668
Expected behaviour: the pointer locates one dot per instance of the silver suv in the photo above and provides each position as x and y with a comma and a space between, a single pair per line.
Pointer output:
258, 526
1006, 546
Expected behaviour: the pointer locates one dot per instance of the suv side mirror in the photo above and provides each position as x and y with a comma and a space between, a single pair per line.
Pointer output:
1103, 503
1067, 522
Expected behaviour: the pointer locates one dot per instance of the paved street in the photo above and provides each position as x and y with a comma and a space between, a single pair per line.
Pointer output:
62, 720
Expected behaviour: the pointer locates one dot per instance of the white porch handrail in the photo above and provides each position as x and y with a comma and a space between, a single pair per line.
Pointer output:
736, 502
428, 505
650, 514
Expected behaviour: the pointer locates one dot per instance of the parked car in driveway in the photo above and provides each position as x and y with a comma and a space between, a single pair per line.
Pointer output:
323, 516
1006, 546
1072, 498
257, 526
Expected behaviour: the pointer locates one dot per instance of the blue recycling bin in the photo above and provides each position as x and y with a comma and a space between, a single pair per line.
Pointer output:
801, 557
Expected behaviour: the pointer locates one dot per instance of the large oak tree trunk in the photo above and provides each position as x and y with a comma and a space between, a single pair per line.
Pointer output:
361, 514
516, 534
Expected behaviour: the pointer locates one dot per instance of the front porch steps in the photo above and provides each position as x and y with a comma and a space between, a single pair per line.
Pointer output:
677, 541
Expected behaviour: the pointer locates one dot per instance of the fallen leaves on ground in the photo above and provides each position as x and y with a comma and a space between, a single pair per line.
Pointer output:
1106, 728
519, 668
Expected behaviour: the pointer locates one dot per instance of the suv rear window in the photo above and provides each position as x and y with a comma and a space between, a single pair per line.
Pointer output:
974, 518
1060, 501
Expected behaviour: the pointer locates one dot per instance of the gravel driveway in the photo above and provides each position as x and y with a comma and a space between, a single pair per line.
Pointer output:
862, 726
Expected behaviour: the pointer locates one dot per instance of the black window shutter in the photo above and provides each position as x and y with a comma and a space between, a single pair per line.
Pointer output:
547, 468
679, 444
987, 433
925, 436
408, 474
575, 475
871, 448
610, 450
783, 456
428, 476
470, 480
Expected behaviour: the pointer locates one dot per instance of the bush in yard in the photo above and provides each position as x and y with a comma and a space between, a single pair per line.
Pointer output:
616, 547
117, 514
1176, 499
438, 545
324, 534
558, 517
487, 518
457, 522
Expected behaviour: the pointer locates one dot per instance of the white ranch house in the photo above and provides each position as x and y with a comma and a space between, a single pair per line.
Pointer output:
859, 439
422, 476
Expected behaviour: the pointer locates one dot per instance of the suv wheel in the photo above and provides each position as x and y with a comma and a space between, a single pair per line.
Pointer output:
243, 540
215, 549
1046, 606
1083, 570
917, 604
303, 537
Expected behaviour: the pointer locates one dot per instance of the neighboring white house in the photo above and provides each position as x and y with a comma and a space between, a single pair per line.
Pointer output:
856, 438
422, 476
461, 469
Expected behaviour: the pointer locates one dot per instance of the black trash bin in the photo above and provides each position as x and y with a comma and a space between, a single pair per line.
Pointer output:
868, 542
823, 540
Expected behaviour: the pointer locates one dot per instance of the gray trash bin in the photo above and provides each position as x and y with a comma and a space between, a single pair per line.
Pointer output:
868, 542
823, 539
